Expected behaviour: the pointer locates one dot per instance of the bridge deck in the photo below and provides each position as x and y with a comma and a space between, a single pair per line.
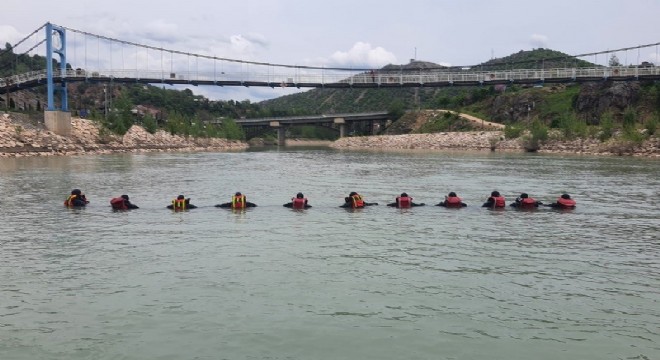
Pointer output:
428, 78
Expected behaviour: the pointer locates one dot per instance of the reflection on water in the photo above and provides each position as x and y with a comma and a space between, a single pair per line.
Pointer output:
328, 283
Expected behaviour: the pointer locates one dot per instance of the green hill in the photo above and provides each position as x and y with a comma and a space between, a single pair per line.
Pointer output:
512, 104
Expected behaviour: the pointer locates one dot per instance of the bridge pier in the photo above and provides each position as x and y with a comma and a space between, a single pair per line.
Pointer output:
281, 136
58, 122
281, 132
342, 126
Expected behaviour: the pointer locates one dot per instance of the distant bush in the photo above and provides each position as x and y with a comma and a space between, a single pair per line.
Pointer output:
652, 124
396, 109
606, 126
538, 133
149, 123
571, 126
629, 118
512, 131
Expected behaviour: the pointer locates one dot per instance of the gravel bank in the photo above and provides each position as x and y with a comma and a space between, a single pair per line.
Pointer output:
488, 140
18, 139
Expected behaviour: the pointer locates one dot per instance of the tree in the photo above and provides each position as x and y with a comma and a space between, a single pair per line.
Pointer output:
396, 109
614, 60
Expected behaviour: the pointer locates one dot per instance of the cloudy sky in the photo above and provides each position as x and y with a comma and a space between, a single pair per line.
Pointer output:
355, 33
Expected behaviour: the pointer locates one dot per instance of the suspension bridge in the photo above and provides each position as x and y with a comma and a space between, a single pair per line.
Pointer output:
77, 56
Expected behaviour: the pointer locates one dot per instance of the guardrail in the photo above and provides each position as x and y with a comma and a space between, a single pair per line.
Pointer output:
323, 78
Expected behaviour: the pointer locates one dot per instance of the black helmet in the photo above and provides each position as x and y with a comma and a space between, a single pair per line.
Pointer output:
125, 197
180, 197
495, 193
238, 193
452, 194
76, 192
404, 195
565, 196
524, 196
300, 195
352, 193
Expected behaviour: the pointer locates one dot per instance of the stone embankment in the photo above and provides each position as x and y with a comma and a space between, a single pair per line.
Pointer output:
494, 140
20, 139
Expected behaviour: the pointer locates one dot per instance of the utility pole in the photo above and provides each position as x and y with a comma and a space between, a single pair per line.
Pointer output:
105, 102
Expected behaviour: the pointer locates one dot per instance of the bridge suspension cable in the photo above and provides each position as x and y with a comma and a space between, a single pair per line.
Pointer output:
247, 62
2, 51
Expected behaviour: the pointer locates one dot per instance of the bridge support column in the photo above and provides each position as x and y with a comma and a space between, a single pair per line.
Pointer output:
342, 130
281, 132
58, 122
342, 126
281, 136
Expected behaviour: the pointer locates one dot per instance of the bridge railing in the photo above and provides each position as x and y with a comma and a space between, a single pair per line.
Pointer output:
311, 79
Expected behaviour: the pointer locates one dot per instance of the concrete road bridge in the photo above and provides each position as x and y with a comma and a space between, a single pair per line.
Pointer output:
375, 120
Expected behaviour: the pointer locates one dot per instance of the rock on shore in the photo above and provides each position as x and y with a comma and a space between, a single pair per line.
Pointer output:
17, 139
494, 140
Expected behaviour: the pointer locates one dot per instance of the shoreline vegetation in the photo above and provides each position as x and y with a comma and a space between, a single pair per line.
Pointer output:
19, 139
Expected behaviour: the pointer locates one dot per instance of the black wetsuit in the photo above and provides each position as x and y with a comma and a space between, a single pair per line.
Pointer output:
444, 204
128, 205
290, 205
228, 205
188, 206
559, 206
518, 204
131, 205
348, 204
396, 204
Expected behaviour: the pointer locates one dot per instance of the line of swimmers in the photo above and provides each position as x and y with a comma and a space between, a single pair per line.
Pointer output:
352, 201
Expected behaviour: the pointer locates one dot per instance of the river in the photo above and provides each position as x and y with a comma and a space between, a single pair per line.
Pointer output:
329, 283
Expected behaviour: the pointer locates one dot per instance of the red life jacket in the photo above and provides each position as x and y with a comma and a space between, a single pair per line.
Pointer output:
118, 203
566, 203
238, 202
356, 201
498, 202
453, 201
298, 203
527, 202
404, 202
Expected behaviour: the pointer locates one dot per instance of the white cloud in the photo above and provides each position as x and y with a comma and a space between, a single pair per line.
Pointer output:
9, 34
363, 55
538, 41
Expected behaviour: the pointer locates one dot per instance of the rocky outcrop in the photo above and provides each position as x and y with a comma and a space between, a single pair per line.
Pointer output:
19, 139
514, 108
596, 98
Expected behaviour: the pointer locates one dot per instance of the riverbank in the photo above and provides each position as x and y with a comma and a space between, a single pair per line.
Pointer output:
495, 141
19, 137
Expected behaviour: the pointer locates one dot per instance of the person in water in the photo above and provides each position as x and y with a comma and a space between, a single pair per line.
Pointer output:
76, 199
122, 203
495, 200
238, 201
404, 201
298, 202
355, 201
563, 202
452, 201
525, 202
181, 203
